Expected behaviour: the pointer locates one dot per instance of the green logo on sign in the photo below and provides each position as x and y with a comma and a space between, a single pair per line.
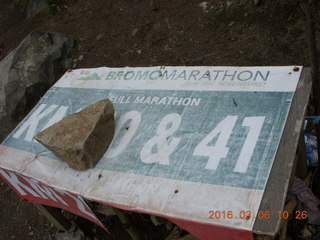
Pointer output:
93, 76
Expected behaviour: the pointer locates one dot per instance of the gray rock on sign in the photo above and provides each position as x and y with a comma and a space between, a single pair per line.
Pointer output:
81, 138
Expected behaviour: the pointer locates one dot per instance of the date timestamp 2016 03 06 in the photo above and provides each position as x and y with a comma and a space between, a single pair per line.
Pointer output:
259, 215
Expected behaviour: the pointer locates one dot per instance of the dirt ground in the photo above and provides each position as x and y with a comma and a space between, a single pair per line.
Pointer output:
149, 33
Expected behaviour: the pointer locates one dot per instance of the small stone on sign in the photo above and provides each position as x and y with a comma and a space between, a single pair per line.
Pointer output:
81, 138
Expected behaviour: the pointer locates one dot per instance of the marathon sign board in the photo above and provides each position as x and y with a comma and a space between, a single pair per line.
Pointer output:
189, 141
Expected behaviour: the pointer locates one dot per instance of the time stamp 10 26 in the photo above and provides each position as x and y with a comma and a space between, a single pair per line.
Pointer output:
247, 215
